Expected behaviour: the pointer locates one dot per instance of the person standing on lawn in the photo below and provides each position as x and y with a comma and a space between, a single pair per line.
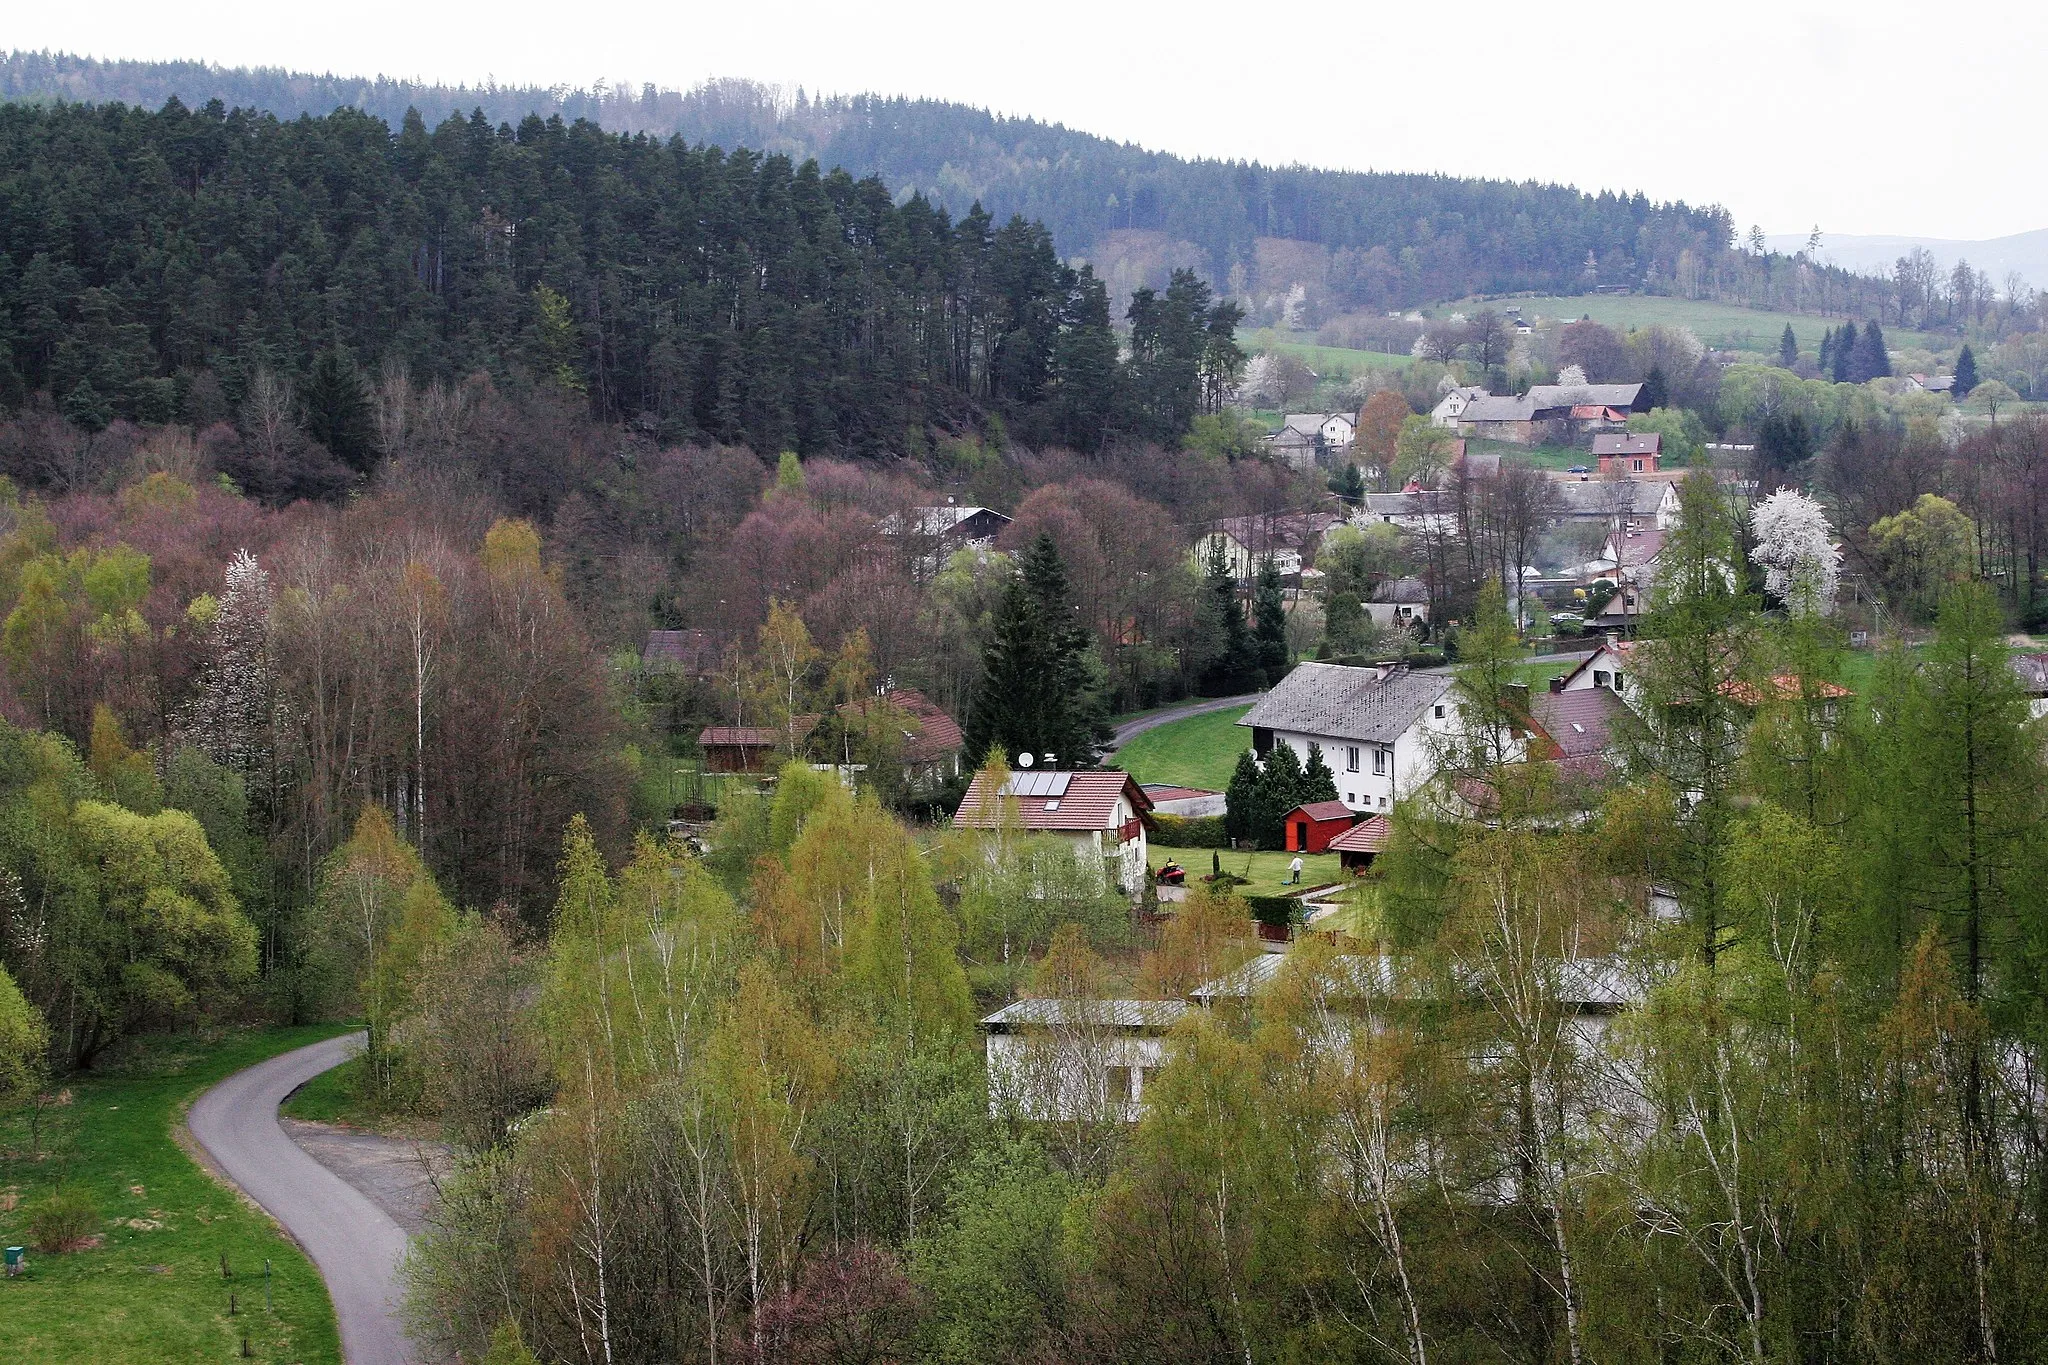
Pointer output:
1294, 871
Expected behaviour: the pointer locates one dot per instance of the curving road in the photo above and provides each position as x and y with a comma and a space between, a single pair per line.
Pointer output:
355, 1244
1130, 729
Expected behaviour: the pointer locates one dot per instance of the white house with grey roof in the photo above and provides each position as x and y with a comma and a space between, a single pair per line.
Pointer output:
1382, 729
1076, 1059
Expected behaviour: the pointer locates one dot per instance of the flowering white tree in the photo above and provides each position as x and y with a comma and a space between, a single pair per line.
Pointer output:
230, 718
1796, 550
1572, 376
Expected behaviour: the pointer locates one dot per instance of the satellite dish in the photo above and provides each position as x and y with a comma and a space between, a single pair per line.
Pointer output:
1023, 760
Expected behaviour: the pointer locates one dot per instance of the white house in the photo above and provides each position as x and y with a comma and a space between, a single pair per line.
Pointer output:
1068, 1059
1453, 404
1382, 729
1289, 537
1610, 666
1102, 814
1416, 511
1399, 602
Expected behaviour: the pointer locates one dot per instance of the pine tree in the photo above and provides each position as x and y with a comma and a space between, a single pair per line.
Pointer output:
1871, 360
1349, 485
1843, 355
337, 410
1318, 783
1269, 613
1281, 784
1241, 798
1788, 348
1966, 373
1656, 390
1827, 350
1235, 667
1040, 691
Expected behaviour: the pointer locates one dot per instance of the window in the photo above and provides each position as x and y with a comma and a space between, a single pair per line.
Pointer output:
1617, 680
1379, 761
1117, 1084
1599, 677
1350, 798
1439, 713
1383, 803
1351, 759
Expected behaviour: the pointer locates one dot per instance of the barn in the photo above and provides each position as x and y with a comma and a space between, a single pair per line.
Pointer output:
1358, 846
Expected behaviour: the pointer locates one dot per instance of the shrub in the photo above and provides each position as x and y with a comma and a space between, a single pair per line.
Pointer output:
1277, 911
1190, 831
65, 1221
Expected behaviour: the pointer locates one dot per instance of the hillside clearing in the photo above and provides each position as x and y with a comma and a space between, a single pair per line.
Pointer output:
1200, 751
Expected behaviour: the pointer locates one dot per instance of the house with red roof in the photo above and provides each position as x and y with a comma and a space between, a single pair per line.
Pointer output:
930, 738
1358, 846
1104, 814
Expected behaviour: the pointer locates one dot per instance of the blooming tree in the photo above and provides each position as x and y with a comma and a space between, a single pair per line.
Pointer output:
1796, 550
231, 717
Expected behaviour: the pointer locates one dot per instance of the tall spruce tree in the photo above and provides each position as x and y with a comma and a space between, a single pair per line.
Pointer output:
1269, 616
1318, 783
1966, 372
1040, 689
1235, 666
1656, 388
1842, 358
1241, 798
1788, 348
1871, 360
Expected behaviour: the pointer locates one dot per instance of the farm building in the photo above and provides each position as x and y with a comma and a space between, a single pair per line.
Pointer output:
1310, 827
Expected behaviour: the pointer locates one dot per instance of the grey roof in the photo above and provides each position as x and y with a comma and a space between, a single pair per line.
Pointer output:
1124, 1014
1498, 409
1341, 702
1402, 590
1595, 985
1546, 396
1404, 504
1607, 497
1309, 424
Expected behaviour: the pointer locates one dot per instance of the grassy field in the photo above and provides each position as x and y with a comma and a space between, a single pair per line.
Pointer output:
1266, 873
1541, 457
1722, 325
1200, 751
152, 1291
1330, 362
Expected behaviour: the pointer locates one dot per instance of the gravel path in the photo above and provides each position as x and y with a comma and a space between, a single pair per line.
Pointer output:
354, 1241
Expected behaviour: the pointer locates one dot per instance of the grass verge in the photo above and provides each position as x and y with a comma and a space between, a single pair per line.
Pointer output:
332, 1097
152, 1290
1200, 751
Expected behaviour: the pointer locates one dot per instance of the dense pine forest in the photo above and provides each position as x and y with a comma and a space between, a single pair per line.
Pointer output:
155, 265
1394, 238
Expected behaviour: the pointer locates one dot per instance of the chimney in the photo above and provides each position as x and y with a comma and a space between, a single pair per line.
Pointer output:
1557, 683
1612, 639
1385, 668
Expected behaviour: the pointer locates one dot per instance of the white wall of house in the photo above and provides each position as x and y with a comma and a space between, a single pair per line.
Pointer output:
1339, 431
1123, 859
1372, 777
1045, 1074
1385, 614
1610, 670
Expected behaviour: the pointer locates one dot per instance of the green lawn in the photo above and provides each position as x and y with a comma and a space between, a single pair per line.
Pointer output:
1330, 362
330, 1097
1200, 751
1266, 873
152, 1291
1724, 325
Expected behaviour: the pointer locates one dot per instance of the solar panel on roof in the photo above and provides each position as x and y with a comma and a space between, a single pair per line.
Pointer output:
1038, 784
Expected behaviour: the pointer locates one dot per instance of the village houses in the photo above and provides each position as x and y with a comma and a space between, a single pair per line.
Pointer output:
1102, 814
1381, 729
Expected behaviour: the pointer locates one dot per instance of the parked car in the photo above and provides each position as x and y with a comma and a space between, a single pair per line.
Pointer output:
1578, 469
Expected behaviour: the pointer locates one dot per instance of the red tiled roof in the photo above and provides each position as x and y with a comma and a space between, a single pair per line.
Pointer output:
1578, 724
751, 736
1319, 811
1367, 836
1089, 802
1785, 686
937, 734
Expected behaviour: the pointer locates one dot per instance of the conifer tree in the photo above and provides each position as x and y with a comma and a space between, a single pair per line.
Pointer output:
1871, 360
1235, 666
1040, 690
1240, 800
1966, 373
1318, 783
1788, 348
1656, 389
1827, 351
1843, 356
1281, 784
1269, 613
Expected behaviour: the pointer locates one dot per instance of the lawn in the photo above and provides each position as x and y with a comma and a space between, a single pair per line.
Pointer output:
1265, 873
330, 1097
153, 1290
1329, 362
1200, 751
1724, 325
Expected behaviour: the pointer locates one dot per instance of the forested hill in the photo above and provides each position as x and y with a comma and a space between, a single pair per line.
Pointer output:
156, 265
1375, 239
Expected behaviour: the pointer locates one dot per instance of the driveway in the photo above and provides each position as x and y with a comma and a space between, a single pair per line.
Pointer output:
355, 1243
1130, 729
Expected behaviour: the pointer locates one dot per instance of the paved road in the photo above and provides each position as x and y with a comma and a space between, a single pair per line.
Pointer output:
1132, 728
355, 1244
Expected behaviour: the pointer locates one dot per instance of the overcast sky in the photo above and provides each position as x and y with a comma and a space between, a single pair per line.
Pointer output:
1881, 117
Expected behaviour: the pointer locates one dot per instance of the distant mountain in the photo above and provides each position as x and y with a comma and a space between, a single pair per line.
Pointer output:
2023, 253
1348, 240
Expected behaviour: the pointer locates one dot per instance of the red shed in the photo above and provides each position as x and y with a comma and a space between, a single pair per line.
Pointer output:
1358, 846
1311, 827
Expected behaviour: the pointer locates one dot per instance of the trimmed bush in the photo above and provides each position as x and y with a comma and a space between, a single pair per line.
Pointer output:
1277, 911
1190, 831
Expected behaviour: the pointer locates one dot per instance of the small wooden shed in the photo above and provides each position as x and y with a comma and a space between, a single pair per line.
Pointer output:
1358, 846
1311, 827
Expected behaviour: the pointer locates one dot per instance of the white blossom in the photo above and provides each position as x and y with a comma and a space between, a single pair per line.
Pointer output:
1795, 547
1571, 376
231, 717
